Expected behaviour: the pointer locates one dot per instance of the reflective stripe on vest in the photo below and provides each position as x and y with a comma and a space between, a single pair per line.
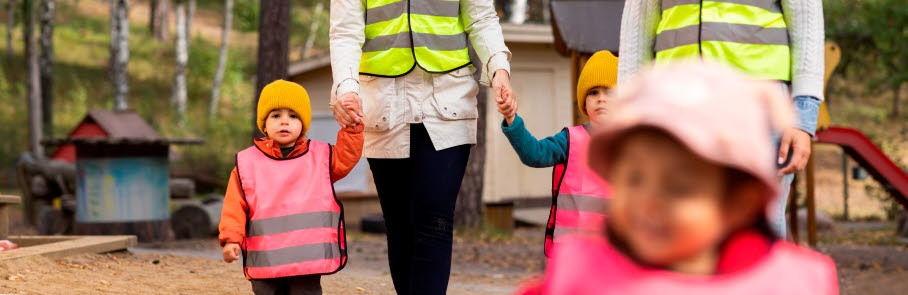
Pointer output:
580, 196
589, 265
401, 34
750, 35
295, 224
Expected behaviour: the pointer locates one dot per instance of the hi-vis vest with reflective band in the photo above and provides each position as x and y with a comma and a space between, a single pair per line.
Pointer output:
401, 34
295, 224
750, 35
579, 196
589, 265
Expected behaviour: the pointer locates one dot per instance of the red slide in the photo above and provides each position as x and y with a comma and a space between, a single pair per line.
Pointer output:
862, 150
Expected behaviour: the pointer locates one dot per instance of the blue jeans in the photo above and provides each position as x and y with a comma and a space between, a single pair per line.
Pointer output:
777, 207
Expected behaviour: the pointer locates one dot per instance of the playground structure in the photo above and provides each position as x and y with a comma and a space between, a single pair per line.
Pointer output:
109, 177
856, 145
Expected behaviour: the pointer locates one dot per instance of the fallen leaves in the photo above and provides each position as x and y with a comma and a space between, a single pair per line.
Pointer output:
71, 265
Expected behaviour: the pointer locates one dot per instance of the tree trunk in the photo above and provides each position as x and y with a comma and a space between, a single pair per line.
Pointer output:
190, 15
48, 8
313, 29
182, 54
27, 32
222, 59
10, 23
273, 47
119, 51
34, 82
152, 8
159, 20
896, 100
518, 12
469, 206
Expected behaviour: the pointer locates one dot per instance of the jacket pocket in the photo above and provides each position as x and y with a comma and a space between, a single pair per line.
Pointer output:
455, 93
376, 93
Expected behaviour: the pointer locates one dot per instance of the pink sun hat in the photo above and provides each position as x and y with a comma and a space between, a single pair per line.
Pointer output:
718, 113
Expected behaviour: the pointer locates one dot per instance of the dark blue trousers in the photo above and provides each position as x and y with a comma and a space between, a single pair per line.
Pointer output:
417, 198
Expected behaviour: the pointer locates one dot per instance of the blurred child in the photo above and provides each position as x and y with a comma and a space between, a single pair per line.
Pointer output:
685, 152
280, 209
578, 196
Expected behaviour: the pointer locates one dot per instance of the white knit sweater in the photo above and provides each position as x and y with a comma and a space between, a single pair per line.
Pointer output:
805, 30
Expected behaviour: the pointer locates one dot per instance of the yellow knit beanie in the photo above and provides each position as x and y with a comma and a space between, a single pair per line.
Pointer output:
283, 94
600, 70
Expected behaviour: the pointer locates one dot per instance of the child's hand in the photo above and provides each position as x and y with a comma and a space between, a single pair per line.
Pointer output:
351, 103
231, 252
345, 116
507, 105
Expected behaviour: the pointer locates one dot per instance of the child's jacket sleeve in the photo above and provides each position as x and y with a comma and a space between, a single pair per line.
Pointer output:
232, 228
347, 152
547, 152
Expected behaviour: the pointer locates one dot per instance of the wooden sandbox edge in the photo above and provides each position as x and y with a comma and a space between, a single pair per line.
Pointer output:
57, 246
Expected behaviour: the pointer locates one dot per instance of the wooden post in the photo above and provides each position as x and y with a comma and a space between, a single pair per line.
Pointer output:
844, 185
578, 60
793, 210
5, 203
811, 202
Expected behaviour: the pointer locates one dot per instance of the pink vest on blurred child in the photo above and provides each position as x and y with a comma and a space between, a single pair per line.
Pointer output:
589, 265
295, 224
579, 196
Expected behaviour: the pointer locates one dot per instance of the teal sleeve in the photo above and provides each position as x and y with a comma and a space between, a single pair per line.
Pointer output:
546, 152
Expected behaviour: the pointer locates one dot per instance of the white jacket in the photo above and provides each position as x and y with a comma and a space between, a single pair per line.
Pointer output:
444, 103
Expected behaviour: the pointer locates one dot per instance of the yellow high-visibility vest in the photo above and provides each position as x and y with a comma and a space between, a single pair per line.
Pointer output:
750, 35
403, 34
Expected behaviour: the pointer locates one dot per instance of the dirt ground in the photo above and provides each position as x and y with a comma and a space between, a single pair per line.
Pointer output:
483, 264
869, 259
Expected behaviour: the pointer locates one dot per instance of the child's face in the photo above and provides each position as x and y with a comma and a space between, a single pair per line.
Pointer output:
595, 103
667, 203
283, 126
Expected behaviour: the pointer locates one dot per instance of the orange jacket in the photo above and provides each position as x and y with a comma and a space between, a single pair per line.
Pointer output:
346, 154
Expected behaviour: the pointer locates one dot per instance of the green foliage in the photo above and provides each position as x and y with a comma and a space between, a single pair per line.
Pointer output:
82, 83
246, 15
872, 36
302, 16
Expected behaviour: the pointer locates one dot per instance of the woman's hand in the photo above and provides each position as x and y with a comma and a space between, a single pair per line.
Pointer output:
799, 142
347, 109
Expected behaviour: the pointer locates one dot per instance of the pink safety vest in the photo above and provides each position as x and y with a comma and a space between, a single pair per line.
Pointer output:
295, 223
589, 265
579, 196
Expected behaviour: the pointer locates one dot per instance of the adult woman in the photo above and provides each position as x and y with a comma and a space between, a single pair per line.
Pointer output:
778, 40
407, 62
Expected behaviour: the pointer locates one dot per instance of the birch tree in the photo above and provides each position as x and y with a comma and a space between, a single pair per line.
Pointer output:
222, 59
119, 51
182, 57
10, 23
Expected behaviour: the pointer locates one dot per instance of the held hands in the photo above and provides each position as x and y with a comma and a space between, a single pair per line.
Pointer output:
504, 95
231, 252
348, 110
